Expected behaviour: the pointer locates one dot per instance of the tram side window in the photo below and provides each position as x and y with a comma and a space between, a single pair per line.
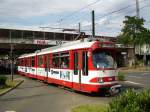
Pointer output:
75, 63
47, 61
29, 62
40, 61
85, 63
20, 62
64, 58
55, 61
25, 62
32, 61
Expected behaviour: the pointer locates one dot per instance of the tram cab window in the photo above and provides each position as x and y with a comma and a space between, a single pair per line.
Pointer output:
64, 58
103, 59
40, 61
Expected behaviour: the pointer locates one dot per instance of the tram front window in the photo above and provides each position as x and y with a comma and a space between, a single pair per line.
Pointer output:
103, 59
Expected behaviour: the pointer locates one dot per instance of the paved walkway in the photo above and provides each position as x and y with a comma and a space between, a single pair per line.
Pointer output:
35, 96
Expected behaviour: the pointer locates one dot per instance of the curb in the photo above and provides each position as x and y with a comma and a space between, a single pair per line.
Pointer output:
9, 89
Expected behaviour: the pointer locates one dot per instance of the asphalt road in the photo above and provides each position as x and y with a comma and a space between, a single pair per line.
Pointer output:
35, 96
139, 80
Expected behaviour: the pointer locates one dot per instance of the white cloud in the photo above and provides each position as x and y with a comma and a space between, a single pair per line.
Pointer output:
25, 8
111, 25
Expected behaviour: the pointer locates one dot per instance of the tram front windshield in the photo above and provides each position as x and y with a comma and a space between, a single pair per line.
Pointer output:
103, 59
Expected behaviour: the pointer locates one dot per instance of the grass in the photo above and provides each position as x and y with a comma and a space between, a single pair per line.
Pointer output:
9, 84
121, 76
4, 89
137, 69
90, 108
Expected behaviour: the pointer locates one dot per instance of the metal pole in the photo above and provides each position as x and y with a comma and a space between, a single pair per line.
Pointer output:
22, 35
137, 9
79, 28
44, 34
93, 24
138, 16
11, 56
33, 35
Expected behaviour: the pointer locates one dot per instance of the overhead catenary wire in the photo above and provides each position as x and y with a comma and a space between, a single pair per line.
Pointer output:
100, 17
128, 11
116, 11
141, 8
75, 12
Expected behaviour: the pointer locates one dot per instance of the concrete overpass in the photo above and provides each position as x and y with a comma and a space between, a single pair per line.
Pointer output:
25, 41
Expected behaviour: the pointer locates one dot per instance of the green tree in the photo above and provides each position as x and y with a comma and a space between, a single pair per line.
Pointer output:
134, 33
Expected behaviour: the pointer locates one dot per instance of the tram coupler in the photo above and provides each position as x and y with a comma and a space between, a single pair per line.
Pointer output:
115, 89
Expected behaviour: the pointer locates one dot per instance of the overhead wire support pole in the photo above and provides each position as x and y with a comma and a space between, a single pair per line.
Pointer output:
137, 9
93, 24
11, 56
138, 16
79, 27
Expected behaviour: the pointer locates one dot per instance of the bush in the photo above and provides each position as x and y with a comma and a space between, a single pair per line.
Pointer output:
121, 76
90, 108
131, 101
3, 80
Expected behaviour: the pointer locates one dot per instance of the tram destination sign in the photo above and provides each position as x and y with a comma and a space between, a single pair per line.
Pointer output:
110, 45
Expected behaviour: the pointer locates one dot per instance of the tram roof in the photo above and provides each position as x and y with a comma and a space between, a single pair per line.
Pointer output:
27, 55
79, 44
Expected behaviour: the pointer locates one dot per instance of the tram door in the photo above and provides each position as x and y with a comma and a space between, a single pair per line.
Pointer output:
46, 67
78, 70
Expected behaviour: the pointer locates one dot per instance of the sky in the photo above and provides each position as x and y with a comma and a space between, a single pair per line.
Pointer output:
33, 14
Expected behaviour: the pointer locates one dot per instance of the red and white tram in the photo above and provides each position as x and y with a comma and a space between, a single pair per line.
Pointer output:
86, 65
